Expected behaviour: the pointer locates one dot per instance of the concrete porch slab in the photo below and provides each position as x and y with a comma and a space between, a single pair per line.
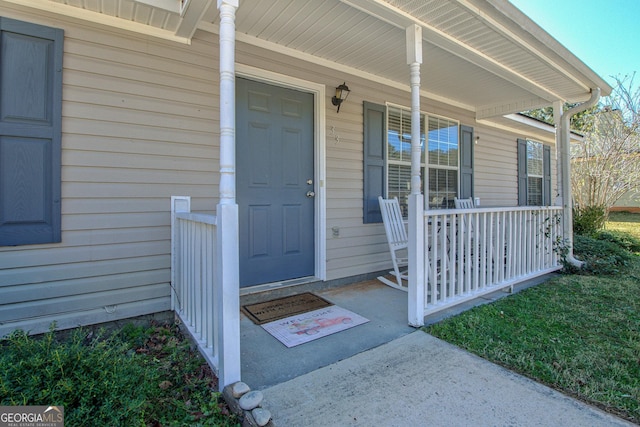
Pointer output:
266, 361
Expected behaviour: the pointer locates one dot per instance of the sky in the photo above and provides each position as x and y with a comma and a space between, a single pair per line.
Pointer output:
604, 34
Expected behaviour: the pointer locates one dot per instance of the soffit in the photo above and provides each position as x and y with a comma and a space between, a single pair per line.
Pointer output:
480, 54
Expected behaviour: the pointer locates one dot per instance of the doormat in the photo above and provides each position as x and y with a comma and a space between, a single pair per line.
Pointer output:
302, 328
280, 308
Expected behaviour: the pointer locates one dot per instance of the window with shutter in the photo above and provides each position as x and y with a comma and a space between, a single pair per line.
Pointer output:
387, 149
534, 173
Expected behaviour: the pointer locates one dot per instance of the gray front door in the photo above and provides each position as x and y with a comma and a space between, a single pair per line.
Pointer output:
274, 188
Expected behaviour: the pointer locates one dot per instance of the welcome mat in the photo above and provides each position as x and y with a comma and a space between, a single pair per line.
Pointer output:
280, 308
302, 328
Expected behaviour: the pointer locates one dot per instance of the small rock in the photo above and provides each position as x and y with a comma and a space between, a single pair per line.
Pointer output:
239, 389
227, 394
262, 416
251, 400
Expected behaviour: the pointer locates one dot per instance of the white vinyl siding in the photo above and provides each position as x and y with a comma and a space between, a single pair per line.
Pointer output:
140, 124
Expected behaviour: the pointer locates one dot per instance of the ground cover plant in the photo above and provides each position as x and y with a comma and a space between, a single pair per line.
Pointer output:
134, 376
579, 333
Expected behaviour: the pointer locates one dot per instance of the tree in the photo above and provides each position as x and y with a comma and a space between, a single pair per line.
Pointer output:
606, 163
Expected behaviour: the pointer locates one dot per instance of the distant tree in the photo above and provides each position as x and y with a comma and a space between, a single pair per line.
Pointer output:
606, 163
581, 122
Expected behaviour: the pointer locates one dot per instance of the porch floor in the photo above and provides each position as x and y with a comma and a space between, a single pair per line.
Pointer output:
267, 362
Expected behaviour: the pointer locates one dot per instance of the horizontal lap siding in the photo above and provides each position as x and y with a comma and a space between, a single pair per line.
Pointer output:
495, 168
139, 125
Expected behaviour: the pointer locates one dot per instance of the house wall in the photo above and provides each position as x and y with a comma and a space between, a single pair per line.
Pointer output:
140, 125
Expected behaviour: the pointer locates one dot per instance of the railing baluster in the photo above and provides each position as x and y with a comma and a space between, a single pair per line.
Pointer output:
195, 276
469, 253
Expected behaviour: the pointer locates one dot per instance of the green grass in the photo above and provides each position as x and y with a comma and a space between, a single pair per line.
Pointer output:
134, 376
577, 333
624, 221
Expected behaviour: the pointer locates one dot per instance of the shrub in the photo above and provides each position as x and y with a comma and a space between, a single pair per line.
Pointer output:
588, 220
625, 240
133, 377
601, 257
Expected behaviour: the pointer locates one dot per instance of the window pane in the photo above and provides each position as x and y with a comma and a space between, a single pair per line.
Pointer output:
399, 135
443, 142
534, 158
399, 181
443, 187
534, 191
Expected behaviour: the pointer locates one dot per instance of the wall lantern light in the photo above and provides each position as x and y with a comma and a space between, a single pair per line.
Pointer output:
342, 92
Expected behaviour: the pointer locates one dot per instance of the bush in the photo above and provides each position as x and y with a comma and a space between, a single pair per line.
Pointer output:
134, 377
589, 220
601, 257
625, 240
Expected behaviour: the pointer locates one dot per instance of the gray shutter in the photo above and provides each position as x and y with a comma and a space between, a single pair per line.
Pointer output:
466, 162
546, 184
522, 172
375, 129
30, 132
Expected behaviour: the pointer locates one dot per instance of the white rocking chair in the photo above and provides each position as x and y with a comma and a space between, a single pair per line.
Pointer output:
464, 203
398, 241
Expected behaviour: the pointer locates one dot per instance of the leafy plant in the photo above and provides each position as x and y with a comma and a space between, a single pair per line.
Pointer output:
627, 241
136, 376
601, 257
588, 220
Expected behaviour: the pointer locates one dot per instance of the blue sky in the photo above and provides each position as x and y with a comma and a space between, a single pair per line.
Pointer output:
604, 34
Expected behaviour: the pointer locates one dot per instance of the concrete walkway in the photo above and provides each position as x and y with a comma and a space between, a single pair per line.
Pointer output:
419, 380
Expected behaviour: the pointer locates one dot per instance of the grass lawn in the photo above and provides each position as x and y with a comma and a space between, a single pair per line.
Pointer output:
624, 221
132, 377
577, 333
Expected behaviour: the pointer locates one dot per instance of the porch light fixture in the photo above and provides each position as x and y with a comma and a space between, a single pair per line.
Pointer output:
342, 92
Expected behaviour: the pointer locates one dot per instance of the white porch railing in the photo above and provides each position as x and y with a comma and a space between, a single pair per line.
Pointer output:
472, 252
196, 288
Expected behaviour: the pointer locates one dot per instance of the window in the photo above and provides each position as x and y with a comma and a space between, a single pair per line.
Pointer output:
387, 158
443, 162
398, 164
534, 173
30, 133
442, 142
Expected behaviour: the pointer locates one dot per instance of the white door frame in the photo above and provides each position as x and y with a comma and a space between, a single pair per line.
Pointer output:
319, 142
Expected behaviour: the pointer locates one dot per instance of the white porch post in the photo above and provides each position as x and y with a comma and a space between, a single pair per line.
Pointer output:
416, 199
228, 298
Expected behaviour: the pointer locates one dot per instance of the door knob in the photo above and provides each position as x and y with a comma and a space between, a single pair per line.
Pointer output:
311, 194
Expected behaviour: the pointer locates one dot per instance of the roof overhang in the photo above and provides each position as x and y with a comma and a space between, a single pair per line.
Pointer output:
482, 55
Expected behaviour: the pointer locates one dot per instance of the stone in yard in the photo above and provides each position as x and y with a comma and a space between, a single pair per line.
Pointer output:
251, 400
261, 416
239, 389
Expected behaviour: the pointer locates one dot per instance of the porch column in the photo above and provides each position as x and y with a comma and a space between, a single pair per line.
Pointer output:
227, 293
416, 199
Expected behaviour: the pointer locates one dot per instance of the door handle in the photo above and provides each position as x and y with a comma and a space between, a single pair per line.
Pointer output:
311, 194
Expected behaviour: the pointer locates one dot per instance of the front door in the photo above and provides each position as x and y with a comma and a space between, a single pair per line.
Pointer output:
274, 188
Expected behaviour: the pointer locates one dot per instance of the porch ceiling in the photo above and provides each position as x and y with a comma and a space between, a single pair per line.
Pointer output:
483, 55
